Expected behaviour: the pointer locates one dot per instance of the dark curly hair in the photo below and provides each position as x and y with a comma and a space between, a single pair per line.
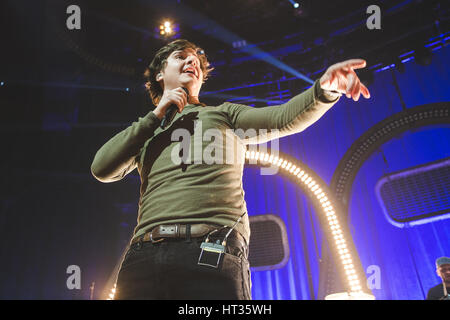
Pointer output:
159, 62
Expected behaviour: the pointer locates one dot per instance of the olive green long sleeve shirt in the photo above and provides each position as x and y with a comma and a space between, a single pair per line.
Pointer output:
191, 171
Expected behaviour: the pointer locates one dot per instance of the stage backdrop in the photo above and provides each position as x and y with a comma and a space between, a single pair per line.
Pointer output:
404, 256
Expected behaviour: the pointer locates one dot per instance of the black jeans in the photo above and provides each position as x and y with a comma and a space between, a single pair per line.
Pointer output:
170, 270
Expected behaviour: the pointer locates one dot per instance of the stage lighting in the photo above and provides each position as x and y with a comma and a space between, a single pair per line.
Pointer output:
355, 295
168, 29
165, 28
328, 210
294, 3
2, 83
112, 293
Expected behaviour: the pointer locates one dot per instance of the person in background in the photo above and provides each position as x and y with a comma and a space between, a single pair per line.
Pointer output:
441, 291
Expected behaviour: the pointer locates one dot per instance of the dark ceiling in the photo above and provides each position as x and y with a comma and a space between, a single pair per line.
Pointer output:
60, 81
118, 37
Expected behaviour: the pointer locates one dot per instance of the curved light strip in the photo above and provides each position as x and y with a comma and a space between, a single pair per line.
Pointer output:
112, 293
327, 210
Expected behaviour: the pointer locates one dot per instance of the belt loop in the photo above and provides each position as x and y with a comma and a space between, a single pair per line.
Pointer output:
155, 241
188, 233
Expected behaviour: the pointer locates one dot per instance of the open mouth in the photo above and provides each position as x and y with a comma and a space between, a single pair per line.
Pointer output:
190, 71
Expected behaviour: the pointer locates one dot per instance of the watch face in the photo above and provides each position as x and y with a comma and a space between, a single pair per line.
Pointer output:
331, 95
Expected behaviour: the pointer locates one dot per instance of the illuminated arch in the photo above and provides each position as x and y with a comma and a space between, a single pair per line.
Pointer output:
329, 212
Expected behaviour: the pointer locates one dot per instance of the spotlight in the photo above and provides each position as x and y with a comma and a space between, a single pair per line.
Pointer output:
2, 83
167, 29
294, 3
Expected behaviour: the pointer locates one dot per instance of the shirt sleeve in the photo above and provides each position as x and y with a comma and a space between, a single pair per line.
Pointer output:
258, 125
119, 156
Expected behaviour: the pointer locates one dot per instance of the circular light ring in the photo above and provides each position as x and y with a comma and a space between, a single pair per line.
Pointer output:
316, 189
379, 134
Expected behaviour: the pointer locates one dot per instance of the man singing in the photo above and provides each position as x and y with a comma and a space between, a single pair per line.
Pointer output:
192, 234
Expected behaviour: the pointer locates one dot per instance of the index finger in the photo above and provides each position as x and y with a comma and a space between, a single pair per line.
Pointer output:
353, 63
365, 92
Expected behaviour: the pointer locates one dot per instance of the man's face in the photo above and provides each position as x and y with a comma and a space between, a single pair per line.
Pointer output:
182, 70
444, 272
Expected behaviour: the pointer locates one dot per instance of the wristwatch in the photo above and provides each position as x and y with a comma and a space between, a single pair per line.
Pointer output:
331, 95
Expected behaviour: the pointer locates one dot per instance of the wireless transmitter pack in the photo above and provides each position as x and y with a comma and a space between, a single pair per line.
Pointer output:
212, 252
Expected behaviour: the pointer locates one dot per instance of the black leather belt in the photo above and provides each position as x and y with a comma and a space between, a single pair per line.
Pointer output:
187, 231
176, 231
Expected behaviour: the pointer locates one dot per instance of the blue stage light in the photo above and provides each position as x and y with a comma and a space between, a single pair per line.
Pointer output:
295, 4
